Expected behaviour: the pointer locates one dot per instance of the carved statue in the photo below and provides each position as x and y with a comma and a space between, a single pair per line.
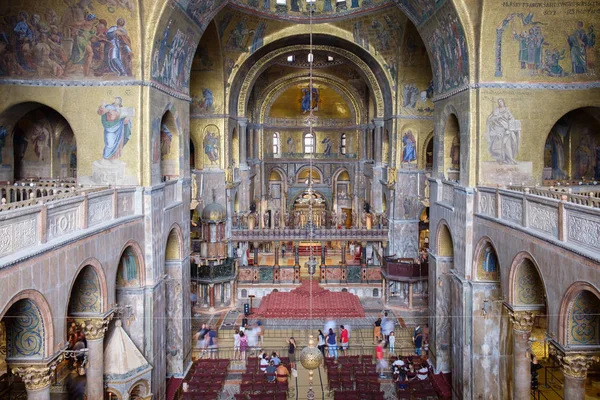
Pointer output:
276, 219
354, 220
194, 187
324, 218
266, 220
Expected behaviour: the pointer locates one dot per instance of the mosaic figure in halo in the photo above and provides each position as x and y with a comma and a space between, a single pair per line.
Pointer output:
211, 147
310, 101
409, 153
116, 121
578, 44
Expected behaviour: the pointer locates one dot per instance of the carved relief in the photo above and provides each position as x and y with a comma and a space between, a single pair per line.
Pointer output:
17, 236
522, 320
99, 211
584, 231
543, 218
62, 223
94, 328
448, 194
6, 240
576, 365
35, 377
512, 210
487, 204
125, 206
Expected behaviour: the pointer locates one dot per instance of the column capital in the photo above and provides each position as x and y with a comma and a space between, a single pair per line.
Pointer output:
378, 122
94, 327
522, 320
243, 121
574, 365
35, 376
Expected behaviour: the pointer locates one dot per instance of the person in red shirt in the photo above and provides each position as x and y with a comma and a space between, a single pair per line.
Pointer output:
381, 364
344, 338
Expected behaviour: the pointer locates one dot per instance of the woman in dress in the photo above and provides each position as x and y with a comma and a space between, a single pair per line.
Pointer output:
243, 345
236, 345
321, 343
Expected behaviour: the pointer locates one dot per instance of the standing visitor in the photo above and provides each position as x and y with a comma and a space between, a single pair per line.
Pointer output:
418, 339
381, 364
292, 352
377, 331
344, 339
321, 343
236, 344
243, 346
331, 344
392, 341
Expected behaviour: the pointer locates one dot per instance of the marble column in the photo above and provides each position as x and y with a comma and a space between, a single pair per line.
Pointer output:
574, 368
94, 329
251, 144
296, 254
344, 253
364, 144
363, 254
277, 249
255, 254
377, 142
242, 132
211, 296
37, 379
522, 323
323, 244
410, 296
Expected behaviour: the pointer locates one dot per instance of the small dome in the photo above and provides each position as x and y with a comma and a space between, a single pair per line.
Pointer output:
214, 211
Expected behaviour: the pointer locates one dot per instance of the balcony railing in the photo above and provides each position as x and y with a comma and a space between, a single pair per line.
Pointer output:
404, 269
570, 218
211, 273
301, 234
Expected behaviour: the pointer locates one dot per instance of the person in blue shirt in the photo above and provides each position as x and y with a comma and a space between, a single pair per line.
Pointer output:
331, 344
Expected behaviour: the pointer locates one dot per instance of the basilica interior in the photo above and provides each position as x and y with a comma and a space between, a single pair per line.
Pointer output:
278, 165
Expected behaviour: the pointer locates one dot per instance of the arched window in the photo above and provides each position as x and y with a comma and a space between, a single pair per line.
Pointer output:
309, 143
343, 144
276, 143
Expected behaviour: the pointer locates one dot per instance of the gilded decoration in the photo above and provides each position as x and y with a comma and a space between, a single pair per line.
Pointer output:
35, 376
574, 365
25, 331
584, 320
522, 320
274, 91
128, 272
261, 64
529, 289
86, 295
94, 328
522, 43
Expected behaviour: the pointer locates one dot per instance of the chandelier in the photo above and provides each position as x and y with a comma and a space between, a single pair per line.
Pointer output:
310, 357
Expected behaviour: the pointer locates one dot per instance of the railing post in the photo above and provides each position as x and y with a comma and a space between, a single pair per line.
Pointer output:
43, 224
84, 211
524, 214
498, 202
115, 210
562, 220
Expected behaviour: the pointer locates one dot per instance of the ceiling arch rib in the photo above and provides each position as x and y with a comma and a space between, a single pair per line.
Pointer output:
271, 93
261, 64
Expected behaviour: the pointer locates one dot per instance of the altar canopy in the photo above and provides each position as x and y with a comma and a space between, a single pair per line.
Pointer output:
295, 304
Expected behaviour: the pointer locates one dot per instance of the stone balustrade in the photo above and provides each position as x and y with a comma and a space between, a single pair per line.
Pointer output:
585, 195
52, 217
300, 234
565, 217
24, 196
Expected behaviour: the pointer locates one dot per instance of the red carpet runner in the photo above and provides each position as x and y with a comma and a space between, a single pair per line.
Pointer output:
295, 304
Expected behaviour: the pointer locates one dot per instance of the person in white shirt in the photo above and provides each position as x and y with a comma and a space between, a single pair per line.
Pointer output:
264, 362
321, 342
422, 372
392, 340
236, 345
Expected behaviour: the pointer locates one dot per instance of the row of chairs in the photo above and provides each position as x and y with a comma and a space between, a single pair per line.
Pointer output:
359, 395
263, 387
360, 382
261, 396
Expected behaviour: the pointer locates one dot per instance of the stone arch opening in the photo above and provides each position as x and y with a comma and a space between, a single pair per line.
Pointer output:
452, 148
169, 147
86, 295
572, 147
173, 249
579, 316
37, 143
444, 245
486, 263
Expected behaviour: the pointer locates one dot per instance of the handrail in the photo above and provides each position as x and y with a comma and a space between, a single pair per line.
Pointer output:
592, 199
64, 193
